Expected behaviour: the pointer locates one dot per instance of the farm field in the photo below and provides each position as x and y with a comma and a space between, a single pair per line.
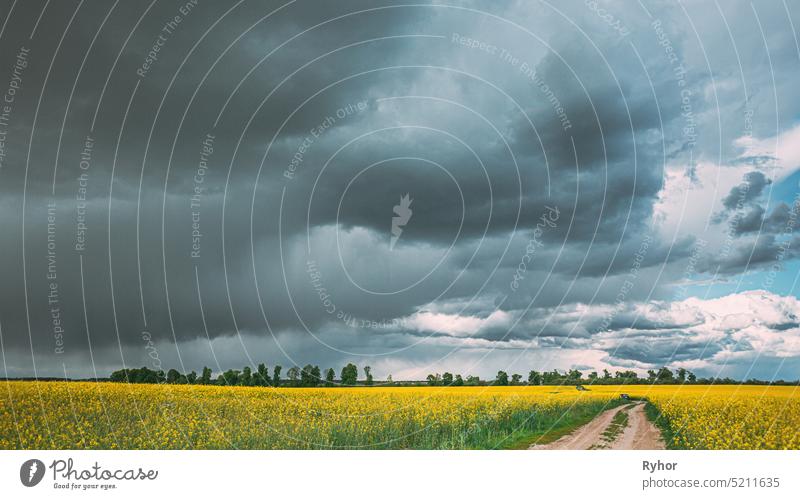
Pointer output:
61, 415
727, 417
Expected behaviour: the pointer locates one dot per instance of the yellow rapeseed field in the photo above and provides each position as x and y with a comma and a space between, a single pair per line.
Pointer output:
59, 415
109, 416
728, 417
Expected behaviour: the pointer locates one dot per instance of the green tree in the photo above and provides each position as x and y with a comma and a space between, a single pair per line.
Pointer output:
459, 381
552, 377
592, 376
501, 379
143, 375
276, 375
434, 379
473, 380
534, 378
664, 375
230, 377
262, 375
293, 375
329, 376
307, 377
447, 379
120, 376
205, 378
691, 377
606, 374
368, 374
247, 376
172, 376
516, 379
681, 374
349, 375
191, 378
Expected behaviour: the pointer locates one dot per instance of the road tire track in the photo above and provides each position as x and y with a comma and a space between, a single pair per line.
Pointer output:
639, 434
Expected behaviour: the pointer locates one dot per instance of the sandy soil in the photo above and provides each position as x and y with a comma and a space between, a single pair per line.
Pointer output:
639, 434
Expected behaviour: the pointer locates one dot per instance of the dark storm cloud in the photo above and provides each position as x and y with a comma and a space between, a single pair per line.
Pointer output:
756, 220
294, 217
662, 351
144, 130
751, 188
760, 252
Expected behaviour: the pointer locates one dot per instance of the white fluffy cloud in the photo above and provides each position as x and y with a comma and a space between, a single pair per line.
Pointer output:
701, 334
456, 325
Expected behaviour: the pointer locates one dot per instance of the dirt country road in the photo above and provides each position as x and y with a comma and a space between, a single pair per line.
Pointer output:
624, 427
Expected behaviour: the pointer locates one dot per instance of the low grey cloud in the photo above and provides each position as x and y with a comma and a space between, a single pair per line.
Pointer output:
756, 220
240, 187
752, 186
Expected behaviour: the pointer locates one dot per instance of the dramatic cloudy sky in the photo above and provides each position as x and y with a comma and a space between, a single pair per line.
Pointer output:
592, 185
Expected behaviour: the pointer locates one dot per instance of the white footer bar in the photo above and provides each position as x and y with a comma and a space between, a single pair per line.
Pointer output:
352, 474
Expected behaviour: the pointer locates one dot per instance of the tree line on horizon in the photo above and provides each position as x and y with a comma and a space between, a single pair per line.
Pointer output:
312, 376
308, 376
